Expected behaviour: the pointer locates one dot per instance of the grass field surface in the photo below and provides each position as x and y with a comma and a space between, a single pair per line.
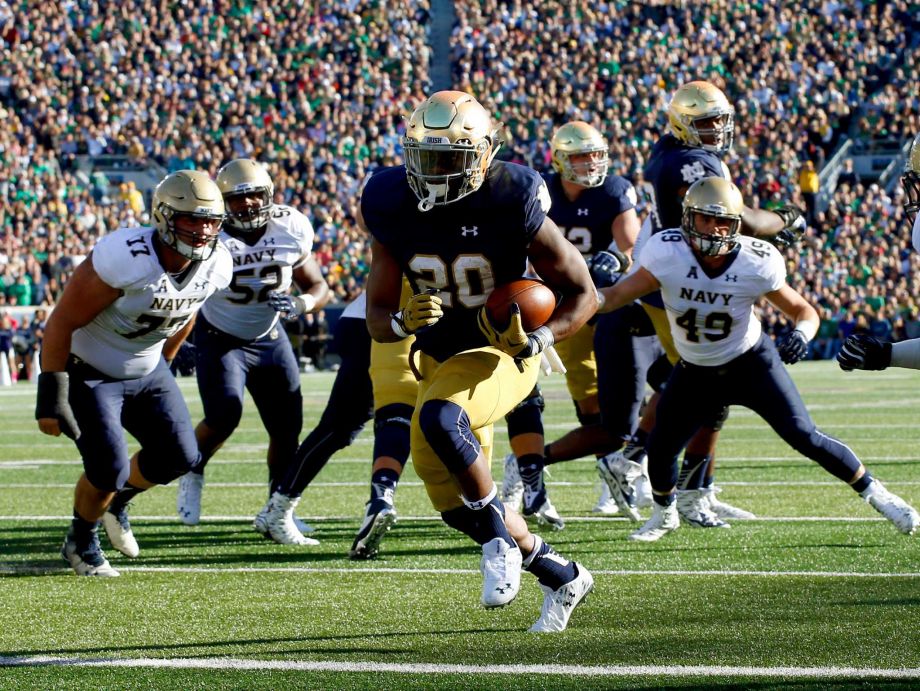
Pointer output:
820, 591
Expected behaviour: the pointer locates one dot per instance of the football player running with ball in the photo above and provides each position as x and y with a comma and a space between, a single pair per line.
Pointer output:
125, 309
241, 345
710, 276
457, 223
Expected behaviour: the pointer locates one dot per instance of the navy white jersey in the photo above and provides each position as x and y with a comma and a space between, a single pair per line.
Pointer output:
462, 249
125, 340
266, 265
673, 166
712, 314
586, 222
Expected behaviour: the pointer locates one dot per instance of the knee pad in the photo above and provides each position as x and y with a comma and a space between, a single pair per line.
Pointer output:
447, 429
225, 417
527, 416
110, 479
658, 373
587, 419
391, 431
717, 420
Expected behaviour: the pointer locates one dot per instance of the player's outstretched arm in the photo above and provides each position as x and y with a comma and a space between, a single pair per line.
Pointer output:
561, 266
642, 282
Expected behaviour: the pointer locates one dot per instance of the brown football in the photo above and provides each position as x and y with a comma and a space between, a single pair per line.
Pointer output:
534, 298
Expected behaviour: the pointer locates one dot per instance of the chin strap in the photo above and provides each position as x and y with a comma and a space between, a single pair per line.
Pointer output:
427, 204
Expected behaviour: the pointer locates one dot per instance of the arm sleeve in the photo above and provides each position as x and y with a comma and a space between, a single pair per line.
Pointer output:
906, 353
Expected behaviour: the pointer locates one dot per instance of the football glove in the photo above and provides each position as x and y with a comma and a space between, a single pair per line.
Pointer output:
607, 268
793, 226
290, 306
513, 339
793, 347
420, 312
862, 351
53, 402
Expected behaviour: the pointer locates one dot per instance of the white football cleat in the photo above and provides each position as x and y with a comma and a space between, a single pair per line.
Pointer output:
559, 604
118, 529
379, 517
88, 560
544, 514
892, 507
620, 475
188, 498
694, 510
280, 521
664, 520
605, 504
260, 525
722, 509
644, 492
512, 485
501, 572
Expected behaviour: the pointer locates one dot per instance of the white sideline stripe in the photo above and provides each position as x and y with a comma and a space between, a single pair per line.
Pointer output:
16, 569
6, 465
436, 668
407, 519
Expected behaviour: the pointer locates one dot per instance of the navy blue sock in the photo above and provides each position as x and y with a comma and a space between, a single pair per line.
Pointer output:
125, 495
553, 572
383, 482
81, 528
664, 500
635, 447
491, 514
862, 483
693, 471
530, 467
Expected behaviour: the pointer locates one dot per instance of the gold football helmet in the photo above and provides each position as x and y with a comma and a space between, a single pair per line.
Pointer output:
449, 144
580, 139
190, 193
244, 176
700, 115
721, 199
911, 180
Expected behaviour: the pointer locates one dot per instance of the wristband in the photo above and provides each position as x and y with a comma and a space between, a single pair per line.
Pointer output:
807, 328
396, 324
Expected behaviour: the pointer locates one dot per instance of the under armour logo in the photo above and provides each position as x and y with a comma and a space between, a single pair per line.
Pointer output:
201, 285
469, 231
476, 505
733, 278
269, 241
582, 212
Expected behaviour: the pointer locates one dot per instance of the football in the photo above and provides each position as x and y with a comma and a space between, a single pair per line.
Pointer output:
535, 299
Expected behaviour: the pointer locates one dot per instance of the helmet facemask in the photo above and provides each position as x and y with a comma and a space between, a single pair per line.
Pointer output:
250, 218
721, 138
589, 173
911, 183
440, 172
195, 246
711, 244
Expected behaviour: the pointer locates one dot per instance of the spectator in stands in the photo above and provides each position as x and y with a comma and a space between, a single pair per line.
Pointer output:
809, 186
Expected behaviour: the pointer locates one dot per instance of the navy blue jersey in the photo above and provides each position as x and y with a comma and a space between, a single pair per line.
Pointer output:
672, 167
586, 222
463, 249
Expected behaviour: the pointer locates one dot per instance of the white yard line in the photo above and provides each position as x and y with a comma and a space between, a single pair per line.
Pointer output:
221, 663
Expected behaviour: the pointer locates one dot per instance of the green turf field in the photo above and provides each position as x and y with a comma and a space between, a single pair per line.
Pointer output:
819, 592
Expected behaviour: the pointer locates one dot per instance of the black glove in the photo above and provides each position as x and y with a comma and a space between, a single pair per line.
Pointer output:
862, 351
793, 226
53, 392
607, 268
793, 347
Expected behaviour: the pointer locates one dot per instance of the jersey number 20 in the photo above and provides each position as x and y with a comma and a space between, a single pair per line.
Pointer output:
468, 279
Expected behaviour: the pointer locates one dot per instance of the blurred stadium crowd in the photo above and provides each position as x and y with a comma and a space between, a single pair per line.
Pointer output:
319, 91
